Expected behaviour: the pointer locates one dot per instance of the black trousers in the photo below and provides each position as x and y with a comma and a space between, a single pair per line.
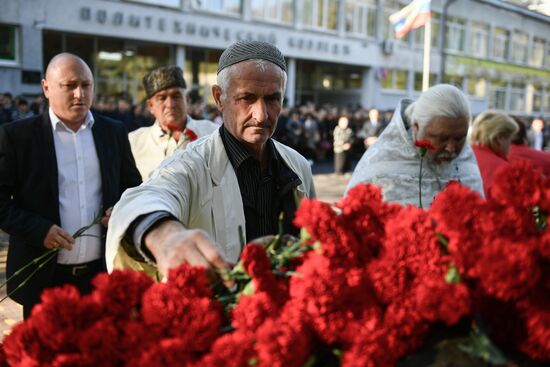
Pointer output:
342, 162
81, 280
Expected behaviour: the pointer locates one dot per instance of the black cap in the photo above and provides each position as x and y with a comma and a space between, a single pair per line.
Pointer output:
249, 50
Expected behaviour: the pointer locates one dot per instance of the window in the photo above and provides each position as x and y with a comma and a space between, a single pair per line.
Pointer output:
118, 65
395, 79
52, 44
536, 91
497, 96
418, 81
517, 97
537, 52
200, 71
455, 80
320, 14
501, 39
82, 46
390, 7
337, 77
477, 87
520, 42
219, 6
9, 44
361, 17
479, 38
419, 32
281, 11
548, 56
546, 101
455, 34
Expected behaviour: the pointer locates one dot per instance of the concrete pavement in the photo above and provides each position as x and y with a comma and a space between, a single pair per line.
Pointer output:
330, 187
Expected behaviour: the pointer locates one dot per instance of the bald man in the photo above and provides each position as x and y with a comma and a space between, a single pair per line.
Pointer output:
59, 171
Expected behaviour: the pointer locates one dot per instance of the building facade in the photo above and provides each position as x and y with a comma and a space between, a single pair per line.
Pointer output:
338, 51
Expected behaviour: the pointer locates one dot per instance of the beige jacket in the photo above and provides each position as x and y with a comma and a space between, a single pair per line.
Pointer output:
150, 145
198, 186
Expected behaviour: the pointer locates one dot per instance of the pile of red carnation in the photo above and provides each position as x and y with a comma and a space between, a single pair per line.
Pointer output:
377, 279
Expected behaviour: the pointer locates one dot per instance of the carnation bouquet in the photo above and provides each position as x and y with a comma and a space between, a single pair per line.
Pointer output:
365, 285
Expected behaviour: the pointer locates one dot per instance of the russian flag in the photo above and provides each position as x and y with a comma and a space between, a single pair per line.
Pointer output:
412, 16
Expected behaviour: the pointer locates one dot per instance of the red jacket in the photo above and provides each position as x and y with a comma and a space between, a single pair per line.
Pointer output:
539, 158
488, 162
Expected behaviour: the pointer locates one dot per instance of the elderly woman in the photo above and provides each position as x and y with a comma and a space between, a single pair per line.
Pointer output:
440, 116
492, 134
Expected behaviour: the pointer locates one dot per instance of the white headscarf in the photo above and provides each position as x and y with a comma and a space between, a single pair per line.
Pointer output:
393, 163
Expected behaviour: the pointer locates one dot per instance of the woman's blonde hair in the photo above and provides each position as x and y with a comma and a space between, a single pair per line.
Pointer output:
491, 126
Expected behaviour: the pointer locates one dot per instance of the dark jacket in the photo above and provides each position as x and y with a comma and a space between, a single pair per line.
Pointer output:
29, 199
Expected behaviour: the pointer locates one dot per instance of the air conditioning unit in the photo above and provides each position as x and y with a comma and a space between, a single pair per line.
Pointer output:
388, 47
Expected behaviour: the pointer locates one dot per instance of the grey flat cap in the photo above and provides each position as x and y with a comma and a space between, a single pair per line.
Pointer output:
248, 50
163, 78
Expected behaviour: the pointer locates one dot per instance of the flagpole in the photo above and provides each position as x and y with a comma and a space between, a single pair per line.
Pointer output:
427, 53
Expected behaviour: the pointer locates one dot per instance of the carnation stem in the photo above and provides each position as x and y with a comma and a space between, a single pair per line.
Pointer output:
420, 184
52, 254
34, 261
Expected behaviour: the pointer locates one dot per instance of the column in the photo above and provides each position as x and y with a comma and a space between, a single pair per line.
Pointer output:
180, 56
246, 10
368, 87
291, 82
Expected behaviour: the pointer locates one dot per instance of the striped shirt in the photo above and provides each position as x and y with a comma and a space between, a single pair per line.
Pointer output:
265, 193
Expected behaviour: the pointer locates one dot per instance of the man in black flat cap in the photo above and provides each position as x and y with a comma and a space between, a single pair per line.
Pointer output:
166, 100
236, 180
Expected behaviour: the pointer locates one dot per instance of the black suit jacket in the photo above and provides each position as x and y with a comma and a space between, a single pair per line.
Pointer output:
29, 198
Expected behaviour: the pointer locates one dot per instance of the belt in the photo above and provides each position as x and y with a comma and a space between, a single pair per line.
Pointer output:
78, 270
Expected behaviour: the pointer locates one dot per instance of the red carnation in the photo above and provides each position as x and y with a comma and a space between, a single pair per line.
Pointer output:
424, 144
364, 215
174, 131
190, 135
325, 226
100, 343
507, 270
167, 311
283, 342
231, 350
252, 311
192, 281
120, 292
52, 327
330, 296
370, 349
440, 301
536, 318
519, 185
166, 352
256, 263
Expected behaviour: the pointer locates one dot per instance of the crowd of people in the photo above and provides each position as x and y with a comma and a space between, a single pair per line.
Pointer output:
179, 202
310, 129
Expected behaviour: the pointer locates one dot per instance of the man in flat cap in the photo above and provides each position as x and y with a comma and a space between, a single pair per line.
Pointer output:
236, 180
166, 99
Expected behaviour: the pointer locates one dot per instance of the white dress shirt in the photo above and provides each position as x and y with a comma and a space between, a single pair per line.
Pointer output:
79, 183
